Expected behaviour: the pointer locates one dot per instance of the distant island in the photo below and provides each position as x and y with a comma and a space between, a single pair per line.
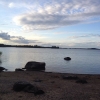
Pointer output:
37, 46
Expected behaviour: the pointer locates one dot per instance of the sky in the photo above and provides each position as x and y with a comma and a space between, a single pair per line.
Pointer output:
63, 23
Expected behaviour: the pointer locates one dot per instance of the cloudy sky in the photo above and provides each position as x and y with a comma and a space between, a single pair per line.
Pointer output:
64, 23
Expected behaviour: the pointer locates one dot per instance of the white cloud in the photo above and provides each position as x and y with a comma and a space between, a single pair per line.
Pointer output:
11, 5
57, 14
36, 21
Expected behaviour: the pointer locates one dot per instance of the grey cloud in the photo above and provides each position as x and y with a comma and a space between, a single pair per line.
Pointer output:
19, 39
4, 36
85, 36
87, 45
95, 35
39, 21
16, 39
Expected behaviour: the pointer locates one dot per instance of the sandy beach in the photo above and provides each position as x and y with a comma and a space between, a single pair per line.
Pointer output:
53, 84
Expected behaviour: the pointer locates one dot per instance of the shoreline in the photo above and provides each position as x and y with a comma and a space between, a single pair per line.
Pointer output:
53, 84
52, 72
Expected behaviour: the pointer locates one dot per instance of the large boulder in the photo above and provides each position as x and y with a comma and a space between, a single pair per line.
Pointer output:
35, 66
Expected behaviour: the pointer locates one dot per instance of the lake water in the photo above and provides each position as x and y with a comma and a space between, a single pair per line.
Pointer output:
83, 61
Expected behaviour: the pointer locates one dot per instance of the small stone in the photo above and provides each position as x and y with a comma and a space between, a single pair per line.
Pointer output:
67, 58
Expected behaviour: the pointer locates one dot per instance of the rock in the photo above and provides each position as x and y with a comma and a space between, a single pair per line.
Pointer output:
38, 92
35, 66
18, 69
33, 89
2, 68
67, 58
27, 87
70, 77
83, 81
20, 85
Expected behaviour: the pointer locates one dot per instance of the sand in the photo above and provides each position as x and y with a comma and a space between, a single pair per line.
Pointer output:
54, 86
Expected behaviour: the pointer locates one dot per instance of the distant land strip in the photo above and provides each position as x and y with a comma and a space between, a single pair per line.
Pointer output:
37, 46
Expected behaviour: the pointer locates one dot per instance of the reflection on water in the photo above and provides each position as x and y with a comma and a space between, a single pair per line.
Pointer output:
0, 58
83, 61
0, 61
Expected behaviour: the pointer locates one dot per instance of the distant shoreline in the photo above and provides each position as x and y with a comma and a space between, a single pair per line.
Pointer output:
36, 46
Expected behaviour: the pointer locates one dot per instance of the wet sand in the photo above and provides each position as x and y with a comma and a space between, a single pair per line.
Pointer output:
54, 86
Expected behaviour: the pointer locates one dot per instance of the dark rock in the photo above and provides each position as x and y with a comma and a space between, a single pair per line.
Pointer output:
20, 86
83, 81
35, 66
18, 69
39, 92
34, 89
70, 77
2, 68
27, 87
67, 58
20, 96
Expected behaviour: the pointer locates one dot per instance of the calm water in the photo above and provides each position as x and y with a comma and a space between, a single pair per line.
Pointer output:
83, 61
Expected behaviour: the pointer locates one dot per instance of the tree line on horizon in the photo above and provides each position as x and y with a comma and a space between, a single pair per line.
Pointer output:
27, 46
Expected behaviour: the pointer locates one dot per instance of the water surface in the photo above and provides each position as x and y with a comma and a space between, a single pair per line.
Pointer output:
83, 61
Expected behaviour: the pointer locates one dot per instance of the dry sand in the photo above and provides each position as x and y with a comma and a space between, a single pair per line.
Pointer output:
54, 86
